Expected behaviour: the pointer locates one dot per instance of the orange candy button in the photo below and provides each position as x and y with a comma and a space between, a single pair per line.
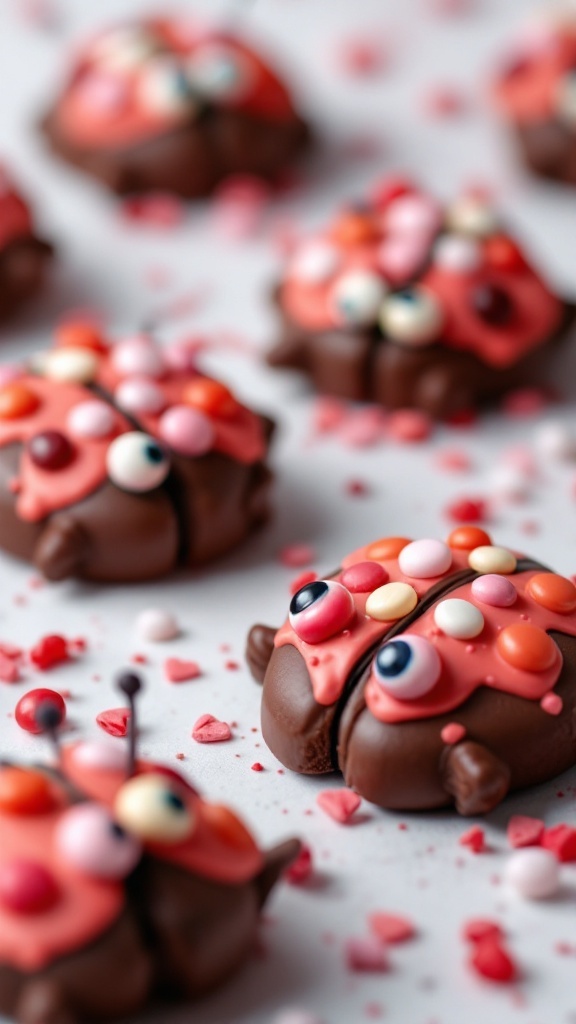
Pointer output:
79, 334
17, 400
210, 396
553, 592
466, 538
353, 228
527, 647
227, 826
388, 547
25, 792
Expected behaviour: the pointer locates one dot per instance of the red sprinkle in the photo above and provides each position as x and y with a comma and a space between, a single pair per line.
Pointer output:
178, 671
27, 708
296, 555
561, 840
366, 954
391, 928
362, 57
9, 671
474, 839
453, 733
49, 651
357, 488
208, 729
454, 460
491, 959
445, 101
524, 831
328, 414
480, 928
257, 767
339, 804
159, 210
115, 721
467, 510
409, 426
301, 869
301, 580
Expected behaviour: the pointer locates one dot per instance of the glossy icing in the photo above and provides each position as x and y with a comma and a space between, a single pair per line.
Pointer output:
104, 103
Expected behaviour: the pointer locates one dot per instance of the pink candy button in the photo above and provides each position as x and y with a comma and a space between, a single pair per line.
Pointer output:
424, 559
137, 357
364, 577
494, 590
139, 395
186, 430
91, 419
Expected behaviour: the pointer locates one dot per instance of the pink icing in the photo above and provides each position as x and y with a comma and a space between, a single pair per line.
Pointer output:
526, 89
102, 107
85, 909
39, 491
468, 665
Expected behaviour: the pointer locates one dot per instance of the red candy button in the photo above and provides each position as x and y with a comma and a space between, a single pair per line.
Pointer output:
27, 708
25, 792
553, 592
364, 577
527, 647
491, 959
27, 887
79, 334
17, 400
466, 538
502, 253
387, 547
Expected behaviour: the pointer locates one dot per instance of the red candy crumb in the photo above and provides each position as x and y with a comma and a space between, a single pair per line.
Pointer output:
524, 831
491, 959
561, 840
208, 729
366, 954
474, 839
409, 426
9, 671
178, 671
454, 460
445, 101
453, 733
362, 57
296, 555
467, 510
257, 767
391, 928
159, 210
26, 711
301, 869
301, 580
356, 488
49, 651
339, 804
480, 928
115, 721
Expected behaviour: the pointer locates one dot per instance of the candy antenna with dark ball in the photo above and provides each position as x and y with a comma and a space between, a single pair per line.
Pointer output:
49, 718
130, 684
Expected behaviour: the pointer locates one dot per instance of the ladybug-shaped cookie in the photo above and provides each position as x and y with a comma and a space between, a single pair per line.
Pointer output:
122, 462
119, 884
428, 673
24, 257
410, 304
163, 105
535, 90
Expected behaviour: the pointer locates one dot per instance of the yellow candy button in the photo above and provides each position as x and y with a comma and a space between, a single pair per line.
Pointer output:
391, 602
490, 558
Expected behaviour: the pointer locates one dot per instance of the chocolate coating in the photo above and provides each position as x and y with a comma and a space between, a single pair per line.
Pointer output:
23, 270
548, 148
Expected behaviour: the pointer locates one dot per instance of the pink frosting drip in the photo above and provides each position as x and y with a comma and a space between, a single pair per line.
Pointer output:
86, 909
40, 492
467, 665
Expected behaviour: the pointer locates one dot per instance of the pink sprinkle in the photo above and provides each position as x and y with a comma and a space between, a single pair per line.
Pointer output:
9, 671
301, 869
115, 721
257, 767
339, 804
231, 666
454, 460
552, 703
453, 733
391, 928
362, 427
409, 426
296, 555
301, 580
362, 57
366, 954
239, 205
328, 414
481, 928
177, 670
356, 488
524, 402
474, 839
157, 210
208, 729
524, 831
11, 650
445, 101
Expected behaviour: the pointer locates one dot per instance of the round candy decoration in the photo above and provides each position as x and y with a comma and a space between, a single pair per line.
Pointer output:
210, 397
25, 791
356, 298
92, 419
534, 873
187, 430
391, 602
494, 590
412, 317
71, 365
553, 592
459, 619
423, 559
136, 462
29, 708
137, 357
527, 647
91, 842
157, 625
492, 559
457, 254
466, 538
321, 609
407, 667
315, 262
17, 400
364, 577
50, 450
148, 808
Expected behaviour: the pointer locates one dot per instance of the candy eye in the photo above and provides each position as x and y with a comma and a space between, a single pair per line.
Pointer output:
220, 72
165, 89
150, 808
89, 840
136, 462
407, 667
320, 610
356, 298
412, 317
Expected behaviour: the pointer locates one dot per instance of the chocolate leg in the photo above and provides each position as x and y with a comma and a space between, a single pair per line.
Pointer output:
44, 1002
259, 647
62, 548
475, 777
276, 861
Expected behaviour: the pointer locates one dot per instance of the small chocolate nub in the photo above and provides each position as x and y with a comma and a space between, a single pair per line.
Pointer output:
48, 716
129, 683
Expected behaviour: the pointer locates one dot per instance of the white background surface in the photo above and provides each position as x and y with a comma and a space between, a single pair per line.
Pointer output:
420, 871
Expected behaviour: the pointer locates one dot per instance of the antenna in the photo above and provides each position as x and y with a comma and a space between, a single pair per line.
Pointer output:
130, 684
49, 718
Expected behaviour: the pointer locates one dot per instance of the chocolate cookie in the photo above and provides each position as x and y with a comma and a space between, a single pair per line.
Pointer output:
24, 257
535, 90
408, 304
427, 673
161, 105
120, 885
123, 462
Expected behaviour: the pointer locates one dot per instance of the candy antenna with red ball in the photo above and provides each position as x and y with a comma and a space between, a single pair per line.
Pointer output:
130, 684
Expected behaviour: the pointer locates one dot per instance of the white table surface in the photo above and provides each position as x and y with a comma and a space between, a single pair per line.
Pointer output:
105, 265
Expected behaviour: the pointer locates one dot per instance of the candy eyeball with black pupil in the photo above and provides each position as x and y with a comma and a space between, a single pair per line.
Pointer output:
412, 317
356, 298
151, 809
90, 841
137, 462
407, 667
219, 72
321, 609
164, 88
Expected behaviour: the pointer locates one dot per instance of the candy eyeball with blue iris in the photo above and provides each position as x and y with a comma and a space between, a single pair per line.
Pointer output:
407, 667
566, 99
137, 462
164, 88
150, 808
356, 298
219, 72
412, 317
321, 609
125, 48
